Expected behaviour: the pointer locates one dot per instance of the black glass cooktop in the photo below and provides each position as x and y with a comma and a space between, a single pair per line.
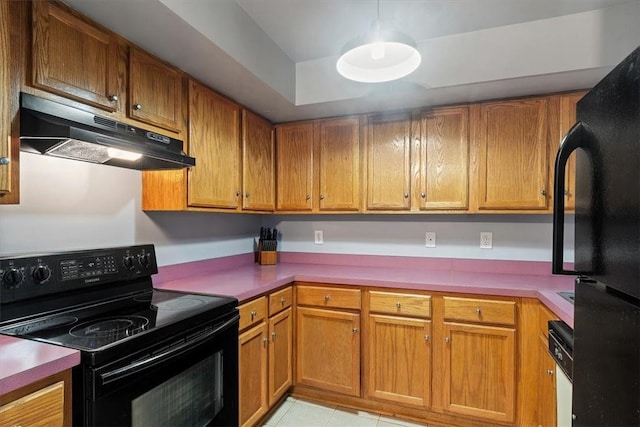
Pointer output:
97, 326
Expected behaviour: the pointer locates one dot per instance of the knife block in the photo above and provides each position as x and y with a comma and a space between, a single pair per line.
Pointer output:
267, 257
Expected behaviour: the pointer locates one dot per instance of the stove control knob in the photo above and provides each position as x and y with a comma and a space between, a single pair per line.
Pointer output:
12, 277
41, 274
144, 260
128, 262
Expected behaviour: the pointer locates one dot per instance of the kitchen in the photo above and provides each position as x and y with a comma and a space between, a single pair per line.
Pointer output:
89, 213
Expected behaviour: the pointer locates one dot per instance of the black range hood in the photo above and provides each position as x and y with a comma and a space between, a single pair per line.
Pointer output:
58, 130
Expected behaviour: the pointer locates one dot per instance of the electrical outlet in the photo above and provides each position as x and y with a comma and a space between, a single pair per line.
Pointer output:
486, 240
430, 239
318, 239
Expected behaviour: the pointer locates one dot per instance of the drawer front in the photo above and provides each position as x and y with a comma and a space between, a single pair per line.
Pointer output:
321, 296
280, 300
253, 312
480, 310
401, 304
41, 408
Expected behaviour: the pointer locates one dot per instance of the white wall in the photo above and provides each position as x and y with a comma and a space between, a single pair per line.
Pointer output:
515, 237
69, 205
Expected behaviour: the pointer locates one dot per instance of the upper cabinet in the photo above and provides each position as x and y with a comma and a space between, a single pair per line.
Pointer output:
6, 140
389, 162
73, 58
155, 91
214, 140
258, 154
339, 164
511, 139
294, 166
444, 160
568, 104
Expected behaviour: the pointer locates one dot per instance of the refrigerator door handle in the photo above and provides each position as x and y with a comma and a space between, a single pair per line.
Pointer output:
579, 136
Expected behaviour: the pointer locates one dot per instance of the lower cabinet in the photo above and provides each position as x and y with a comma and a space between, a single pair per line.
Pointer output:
266, 354
46, 403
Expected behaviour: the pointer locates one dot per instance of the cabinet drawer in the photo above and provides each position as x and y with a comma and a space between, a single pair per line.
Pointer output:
280, 300
44, 407
480, 310
397, 303
329, 297
253, 312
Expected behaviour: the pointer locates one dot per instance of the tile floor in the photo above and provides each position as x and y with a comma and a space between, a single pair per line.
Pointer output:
301, 413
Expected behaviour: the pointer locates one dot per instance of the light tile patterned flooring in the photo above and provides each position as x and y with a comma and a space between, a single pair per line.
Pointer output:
301, 413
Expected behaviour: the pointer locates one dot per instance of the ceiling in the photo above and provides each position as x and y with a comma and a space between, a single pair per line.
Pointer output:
278, 57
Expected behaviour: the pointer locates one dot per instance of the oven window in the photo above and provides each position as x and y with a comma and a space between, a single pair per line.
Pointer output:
191, 398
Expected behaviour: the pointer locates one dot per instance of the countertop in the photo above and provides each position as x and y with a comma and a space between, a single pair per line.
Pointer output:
24, 361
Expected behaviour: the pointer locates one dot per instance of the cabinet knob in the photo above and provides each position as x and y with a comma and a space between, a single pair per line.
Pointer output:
246, 195
308, 197
478, 311
427, 337
5, 160
253, 314
283, 300
327, 298
273, 336
423, 195
549, 372
137, 106
543, 192
322, 197
113, 98
355, 330
398, 304
238, 193
566, 193
265, 340
447, 340
406, 195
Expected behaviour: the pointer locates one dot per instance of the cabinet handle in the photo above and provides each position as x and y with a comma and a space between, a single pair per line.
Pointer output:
308, 197
406, 195
478, 311
427, 337
283, 300
355, 330
113, 98
549, 372
137, 106
253, 314
322, 197
246, 195
566, 193
265, 340
398, 304
4, 161
273, 336
447, 340
423, 195
543, 192
327, 298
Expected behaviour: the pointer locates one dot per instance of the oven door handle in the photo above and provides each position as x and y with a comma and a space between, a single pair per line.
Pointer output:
140, 365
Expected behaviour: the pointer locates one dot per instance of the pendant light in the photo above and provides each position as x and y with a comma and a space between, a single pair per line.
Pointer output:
381, 55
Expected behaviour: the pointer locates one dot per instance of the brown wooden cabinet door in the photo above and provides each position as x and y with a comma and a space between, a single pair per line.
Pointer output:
480, 371
42, 408
258, 156
214, 140
253, 347
389, 162
400, 359
546, 388
73, 58
294, 166
280, 354
512, 138
6, 97
328, 350
567, 120
444, 159
155, 91
339, 164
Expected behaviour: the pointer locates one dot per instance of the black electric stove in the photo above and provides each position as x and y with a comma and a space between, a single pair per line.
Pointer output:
102, 303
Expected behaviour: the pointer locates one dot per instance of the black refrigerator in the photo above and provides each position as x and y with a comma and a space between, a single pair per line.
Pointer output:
606, 353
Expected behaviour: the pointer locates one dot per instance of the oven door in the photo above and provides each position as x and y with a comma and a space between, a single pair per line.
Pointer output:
190, 381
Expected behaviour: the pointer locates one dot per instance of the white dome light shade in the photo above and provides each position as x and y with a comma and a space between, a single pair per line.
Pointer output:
380, 56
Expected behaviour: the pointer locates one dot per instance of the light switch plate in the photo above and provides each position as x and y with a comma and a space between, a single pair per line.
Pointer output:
430, 239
